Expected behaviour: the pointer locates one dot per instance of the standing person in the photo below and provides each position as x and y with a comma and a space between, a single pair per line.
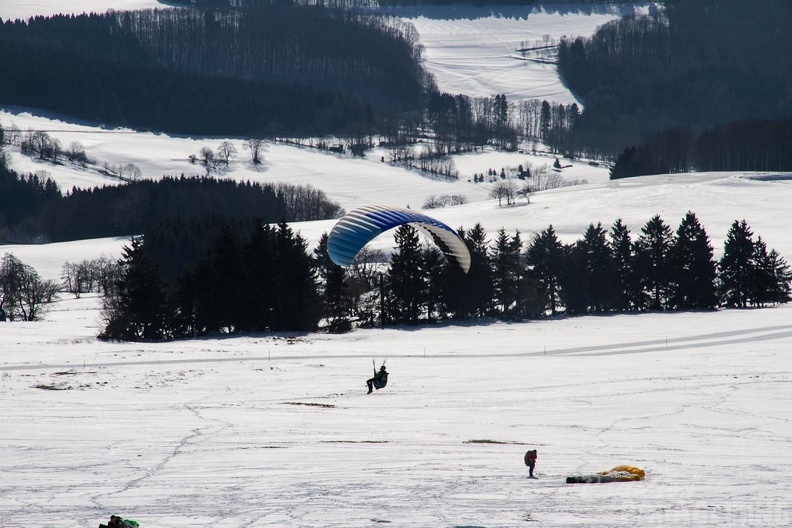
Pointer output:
530, 461
379, 380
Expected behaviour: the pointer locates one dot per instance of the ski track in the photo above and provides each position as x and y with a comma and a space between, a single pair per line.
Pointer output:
632, 347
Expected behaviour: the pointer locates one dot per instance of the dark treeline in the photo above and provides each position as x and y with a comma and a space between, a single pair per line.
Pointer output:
347, 4
605, 271
22, 200
461, 123
254, 277
33, 210
691, 64
273, 69
265, 282
750, 145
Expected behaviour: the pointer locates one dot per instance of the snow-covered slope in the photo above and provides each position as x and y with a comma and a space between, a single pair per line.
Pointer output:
473, 50
717, 198
276, 430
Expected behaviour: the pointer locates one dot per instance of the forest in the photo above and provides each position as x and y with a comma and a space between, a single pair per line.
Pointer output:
691, 64
351, 4
274, 69
749, 145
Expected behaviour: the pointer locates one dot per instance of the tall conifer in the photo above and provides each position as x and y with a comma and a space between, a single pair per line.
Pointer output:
693, 268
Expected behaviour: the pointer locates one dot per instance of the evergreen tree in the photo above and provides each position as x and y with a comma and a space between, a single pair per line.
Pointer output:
735, 265
598, 268
265, 284
225, 282
296, 305
782, 277
545, 261
211, 295
652, 255
545, 120
762, 277
471, 294
260, 265
406, 278
693, 268
576, 290
140, 309
436, 269
532, 298
335, 291
625, 294
507, 273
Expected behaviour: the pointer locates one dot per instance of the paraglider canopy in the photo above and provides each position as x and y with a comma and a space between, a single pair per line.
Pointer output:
357, 228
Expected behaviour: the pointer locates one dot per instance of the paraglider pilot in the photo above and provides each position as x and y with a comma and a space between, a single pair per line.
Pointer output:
118, 522
379, 380
530, 461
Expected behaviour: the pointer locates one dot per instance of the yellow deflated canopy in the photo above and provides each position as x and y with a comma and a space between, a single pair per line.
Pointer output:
624, 473
617, 474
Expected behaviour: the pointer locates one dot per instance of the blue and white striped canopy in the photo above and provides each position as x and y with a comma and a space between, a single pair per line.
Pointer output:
357, 228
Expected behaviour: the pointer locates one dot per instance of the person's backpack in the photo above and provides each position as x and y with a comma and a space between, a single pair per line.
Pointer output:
530, 457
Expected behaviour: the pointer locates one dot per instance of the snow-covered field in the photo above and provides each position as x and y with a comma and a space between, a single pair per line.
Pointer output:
277, 431
473, 50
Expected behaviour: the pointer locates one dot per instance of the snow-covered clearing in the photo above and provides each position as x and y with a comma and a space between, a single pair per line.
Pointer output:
473, 50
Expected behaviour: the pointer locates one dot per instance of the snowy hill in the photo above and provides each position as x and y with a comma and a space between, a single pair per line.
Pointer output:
277, 430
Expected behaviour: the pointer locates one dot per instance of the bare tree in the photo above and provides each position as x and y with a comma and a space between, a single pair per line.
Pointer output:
36, 293
444, 200
226, 151
257, 147
23, 293
55, 150
13, 136
525, 192
79, 278
206, 155
106, 274
497, 191
36, 143
504, 189
511, 190
130, 171
76, 153
366, 265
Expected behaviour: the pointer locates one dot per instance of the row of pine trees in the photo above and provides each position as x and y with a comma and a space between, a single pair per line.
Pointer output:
604, 271
265, 280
